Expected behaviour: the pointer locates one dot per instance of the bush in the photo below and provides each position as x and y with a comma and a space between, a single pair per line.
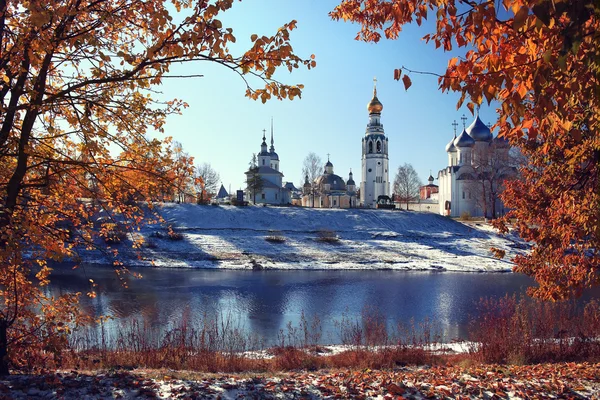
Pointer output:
327, 236
465, 216
275, 237
522, 331
174, 235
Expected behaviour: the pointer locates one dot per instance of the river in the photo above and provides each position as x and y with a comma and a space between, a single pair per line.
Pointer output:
264, 302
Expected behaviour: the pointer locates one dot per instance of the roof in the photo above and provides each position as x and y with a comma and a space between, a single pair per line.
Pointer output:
478, 131
222, 193
464, 140
263, 169
334, 181
290, 186
269, 185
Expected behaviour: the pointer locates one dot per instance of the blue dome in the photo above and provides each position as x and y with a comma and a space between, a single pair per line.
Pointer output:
274, 156
464, 140
478, 131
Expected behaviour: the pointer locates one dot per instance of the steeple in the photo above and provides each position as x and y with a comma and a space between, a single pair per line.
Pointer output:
263, 145
375, 106
272, 149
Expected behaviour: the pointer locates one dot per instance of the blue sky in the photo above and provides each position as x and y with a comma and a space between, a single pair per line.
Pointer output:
223, 127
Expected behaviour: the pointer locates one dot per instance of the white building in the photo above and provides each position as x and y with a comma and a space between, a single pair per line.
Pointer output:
272, 191
469, 154
375, 175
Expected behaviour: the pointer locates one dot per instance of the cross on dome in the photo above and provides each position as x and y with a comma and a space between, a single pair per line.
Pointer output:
454, 124
464, 120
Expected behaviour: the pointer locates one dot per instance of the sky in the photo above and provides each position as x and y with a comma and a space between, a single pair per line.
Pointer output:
224, 128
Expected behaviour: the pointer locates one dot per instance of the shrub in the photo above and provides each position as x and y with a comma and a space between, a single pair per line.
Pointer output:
275, 237
327, 236
465, 216
174, 235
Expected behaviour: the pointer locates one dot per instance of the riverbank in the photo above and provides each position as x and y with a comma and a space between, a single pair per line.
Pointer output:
564, 380
299, 238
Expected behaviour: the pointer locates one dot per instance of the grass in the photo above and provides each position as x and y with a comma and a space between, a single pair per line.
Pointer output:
275, 237
327, 236
510, 330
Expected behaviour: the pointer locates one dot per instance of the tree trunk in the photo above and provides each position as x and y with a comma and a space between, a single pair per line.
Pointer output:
3, 348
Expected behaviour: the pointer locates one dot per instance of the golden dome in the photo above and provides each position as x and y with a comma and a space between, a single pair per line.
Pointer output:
374, 105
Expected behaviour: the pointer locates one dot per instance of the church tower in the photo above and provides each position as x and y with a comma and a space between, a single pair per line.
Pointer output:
375, 175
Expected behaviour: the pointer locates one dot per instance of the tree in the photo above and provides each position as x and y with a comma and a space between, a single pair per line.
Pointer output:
254, 182
540, 60
77, 85
184, 181
493, 166
209, 176
312, 167
406, 184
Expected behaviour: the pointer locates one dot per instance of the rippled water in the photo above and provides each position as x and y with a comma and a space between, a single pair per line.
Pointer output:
265, 301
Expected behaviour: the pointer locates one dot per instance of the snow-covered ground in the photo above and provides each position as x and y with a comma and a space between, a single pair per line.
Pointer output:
235, 237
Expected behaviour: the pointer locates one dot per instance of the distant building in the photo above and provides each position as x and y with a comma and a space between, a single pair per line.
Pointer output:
329, 190
429, 191
272, 191
375, 175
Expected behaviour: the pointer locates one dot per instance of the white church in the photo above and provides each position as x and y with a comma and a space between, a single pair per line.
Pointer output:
375, 169
272, 190
473, 148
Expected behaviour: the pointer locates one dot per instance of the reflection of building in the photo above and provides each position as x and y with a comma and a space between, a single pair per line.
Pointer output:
473, 153
329, 190
272, 191
375, 176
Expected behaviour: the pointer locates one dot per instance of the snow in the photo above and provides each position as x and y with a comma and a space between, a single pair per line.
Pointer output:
234, 238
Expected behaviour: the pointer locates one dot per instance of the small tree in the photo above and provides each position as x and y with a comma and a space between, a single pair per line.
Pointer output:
254, 182
406, 184
311, 167
209, 178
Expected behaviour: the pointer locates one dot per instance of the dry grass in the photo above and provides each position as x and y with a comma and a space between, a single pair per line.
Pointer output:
509, 330
327, 236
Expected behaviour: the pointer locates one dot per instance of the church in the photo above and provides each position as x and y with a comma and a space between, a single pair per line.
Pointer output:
329, 190
375, 176
271, 189
473, 151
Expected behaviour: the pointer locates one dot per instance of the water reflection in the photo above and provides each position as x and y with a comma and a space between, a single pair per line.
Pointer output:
265, 301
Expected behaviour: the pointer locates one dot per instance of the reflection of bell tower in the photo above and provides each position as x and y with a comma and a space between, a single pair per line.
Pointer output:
375, 176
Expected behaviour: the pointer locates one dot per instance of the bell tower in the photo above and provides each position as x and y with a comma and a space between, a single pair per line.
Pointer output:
375, 160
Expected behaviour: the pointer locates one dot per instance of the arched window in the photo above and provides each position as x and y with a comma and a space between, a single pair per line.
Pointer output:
378, 146
370, 147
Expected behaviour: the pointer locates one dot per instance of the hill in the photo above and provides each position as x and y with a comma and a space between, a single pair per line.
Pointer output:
302, 238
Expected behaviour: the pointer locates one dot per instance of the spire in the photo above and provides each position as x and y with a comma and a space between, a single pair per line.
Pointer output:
271, 131
264, 137
374, 86
374, 106
272, 149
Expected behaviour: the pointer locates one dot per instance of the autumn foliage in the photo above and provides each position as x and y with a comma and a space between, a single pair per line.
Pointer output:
539, 61
77, 104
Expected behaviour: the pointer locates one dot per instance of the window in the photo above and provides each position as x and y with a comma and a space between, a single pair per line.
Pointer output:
378, 146
370, 147
275, 196
263, 161
334, 202
262, 196
463, 195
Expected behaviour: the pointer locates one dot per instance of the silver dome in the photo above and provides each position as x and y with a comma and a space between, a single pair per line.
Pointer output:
478, 131
450, 148
334, 181
464, 140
